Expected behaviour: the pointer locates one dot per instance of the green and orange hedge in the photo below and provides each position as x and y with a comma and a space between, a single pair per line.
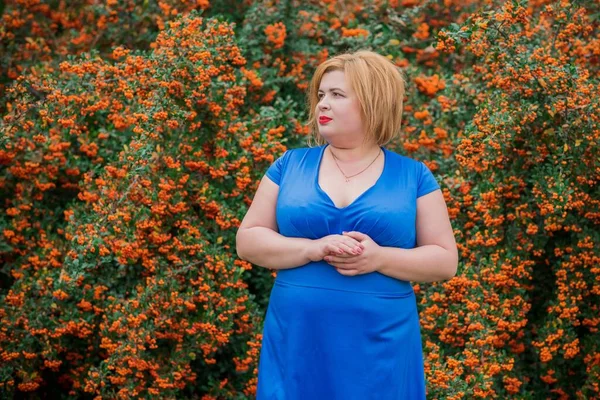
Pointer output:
132, 145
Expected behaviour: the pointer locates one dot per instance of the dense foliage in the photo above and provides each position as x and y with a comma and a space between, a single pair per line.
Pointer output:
134, 136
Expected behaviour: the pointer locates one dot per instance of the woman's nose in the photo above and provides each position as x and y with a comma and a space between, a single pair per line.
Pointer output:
323, 103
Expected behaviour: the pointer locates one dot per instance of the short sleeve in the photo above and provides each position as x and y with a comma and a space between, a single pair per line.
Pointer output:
275, 171
427, 182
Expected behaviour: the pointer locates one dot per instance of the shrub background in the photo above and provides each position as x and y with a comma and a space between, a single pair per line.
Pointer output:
134, 136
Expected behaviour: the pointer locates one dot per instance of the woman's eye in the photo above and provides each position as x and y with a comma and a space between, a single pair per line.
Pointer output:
319, 96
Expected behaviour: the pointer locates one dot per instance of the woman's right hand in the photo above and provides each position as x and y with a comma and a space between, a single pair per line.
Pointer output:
334, 244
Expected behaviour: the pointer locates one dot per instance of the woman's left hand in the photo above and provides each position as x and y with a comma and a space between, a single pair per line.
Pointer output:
365, 262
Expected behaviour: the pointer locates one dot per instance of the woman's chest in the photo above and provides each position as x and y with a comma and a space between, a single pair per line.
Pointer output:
385, 211
342, 189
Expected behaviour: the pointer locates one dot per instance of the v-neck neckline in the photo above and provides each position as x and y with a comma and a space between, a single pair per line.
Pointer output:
324, 193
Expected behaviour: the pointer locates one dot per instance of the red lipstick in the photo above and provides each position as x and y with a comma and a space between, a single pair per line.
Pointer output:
324, 120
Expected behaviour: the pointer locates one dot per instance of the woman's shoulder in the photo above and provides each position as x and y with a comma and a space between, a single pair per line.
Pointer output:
304, 150
398, 158
414, 171
299, 153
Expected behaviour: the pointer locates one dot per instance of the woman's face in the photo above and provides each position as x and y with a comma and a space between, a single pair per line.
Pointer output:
338, 102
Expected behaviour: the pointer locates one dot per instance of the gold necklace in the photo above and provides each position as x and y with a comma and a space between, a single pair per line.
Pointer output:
348, 177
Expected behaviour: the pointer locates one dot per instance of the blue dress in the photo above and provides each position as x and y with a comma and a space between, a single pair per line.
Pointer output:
334, 337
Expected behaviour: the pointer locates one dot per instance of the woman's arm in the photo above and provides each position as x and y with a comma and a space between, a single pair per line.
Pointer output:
265, 247
436, 257
428, 263
258, 239
259, 242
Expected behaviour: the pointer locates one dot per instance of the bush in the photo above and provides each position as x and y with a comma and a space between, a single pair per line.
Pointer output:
127, 178
126, 173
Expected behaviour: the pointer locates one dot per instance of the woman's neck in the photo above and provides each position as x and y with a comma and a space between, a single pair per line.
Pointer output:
356, 154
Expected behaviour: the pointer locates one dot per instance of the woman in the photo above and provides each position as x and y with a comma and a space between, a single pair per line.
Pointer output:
347, 224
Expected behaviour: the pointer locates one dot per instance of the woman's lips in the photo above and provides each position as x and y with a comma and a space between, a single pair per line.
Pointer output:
324, 120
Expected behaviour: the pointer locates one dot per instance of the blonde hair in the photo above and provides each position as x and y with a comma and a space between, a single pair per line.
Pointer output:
379, 86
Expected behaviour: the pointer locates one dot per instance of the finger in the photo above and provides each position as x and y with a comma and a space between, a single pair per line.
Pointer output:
351, 253
334, 249
342, 265
338, 249
337, 260
349, 248
345, 255
356, 235
347, 272
355, 243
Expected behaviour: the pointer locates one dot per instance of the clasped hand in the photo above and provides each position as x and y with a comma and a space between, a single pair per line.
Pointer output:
362, 261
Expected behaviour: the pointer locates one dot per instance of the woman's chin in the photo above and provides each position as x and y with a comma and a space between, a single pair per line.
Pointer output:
327, 133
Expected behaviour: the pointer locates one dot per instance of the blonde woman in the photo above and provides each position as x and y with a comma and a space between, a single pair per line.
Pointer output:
348, 224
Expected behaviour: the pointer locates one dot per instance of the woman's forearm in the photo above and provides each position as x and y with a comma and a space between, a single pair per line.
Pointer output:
266, 248
422, 264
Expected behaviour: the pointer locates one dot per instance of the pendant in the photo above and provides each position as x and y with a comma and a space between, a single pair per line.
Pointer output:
347, 180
